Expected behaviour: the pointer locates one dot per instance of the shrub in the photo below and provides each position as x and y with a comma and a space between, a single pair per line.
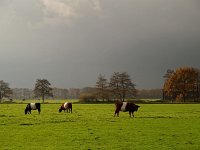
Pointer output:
87, 97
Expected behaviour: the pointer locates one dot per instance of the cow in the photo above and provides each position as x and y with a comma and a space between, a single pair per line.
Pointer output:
125, 106
32, 106
67, 106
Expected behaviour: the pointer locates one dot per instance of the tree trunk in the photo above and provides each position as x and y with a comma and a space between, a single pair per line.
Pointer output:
120, 96
43, 98
184, 96
1, 97
163, 95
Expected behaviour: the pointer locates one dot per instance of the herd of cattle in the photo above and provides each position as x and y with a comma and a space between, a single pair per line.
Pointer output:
67, 106
37, 106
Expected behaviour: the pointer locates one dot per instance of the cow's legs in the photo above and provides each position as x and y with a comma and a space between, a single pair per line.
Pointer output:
39, 111
133, 114
116, 112
130, 113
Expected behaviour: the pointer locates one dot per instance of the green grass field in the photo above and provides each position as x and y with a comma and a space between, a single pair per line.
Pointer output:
92, 126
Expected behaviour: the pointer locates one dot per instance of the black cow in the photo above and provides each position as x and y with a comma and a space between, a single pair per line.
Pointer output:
67, 106
32, 106
125, 106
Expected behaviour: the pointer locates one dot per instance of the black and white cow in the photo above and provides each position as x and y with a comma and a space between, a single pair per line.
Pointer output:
125, 106
67, 106
32, 106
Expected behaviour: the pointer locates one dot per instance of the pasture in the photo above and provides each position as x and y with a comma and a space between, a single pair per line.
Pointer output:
92, 126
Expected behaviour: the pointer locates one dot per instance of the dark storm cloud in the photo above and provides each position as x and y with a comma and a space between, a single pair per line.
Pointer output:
72, 42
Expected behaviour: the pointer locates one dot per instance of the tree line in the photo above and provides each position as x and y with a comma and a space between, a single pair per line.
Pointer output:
120, 87
180, 85
42, 89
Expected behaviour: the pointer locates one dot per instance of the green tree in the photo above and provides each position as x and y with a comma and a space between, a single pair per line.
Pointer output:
5, 91
42, 88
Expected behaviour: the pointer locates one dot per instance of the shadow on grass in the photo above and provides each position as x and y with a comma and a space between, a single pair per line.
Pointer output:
62, 121
26, 124
156, 117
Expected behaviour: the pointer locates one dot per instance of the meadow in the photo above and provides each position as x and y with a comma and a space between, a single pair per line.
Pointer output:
92, 127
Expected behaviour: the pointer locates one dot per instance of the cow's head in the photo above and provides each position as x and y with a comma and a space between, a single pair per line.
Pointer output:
136, 107
60, 110
26, 111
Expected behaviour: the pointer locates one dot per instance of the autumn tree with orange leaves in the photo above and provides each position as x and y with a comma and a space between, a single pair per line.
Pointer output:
182, 84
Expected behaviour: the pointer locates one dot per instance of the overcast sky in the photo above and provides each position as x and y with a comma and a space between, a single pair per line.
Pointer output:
71, 42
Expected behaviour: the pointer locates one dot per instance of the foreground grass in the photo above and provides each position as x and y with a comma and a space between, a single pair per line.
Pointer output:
92, 126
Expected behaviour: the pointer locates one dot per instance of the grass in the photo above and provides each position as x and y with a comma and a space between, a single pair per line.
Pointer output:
92, 126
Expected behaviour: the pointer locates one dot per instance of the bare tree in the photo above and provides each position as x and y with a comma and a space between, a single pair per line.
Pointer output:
167, 76
59, 93
121, 85
102, 87
149, 93
5, 91
198, 85
42, 88
74, 93
168, 73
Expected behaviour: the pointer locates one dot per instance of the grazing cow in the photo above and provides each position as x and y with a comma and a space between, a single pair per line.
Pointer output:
32, 106
125, 106
66, 106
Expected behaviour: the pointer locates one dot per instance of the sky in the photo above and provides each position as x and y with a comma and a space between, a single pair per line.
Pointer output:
71, 42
